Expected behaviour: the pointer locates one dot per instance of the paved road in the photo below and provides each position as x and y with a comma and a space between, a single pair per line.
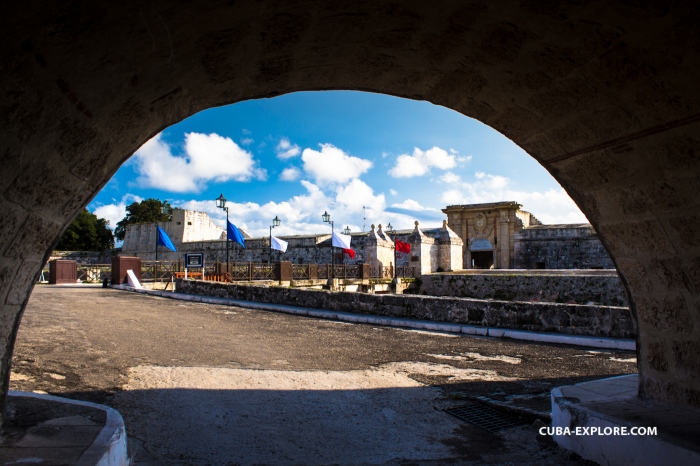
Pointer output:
207, 384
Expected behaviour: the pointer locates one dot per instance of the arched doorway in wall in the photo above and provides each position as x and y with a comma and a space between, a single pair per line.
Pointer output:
482, 254
579, 90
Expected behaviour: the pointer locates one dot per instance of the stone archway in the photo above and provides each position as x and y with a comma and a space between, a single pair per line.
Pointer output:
604, 96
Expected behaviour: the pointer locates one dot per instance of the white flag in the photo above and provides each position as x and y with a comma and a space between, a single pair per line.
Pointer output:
278, 244
341, 241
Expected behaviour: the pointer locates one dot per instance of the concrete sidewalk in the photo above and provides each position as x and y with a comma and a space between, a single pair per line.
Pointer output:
45, 429
540, 337
610, 425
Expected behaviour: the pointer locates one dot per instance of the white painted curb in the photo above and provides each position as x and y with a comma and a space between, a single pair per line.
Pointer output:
525, 335
109, 447
613, 450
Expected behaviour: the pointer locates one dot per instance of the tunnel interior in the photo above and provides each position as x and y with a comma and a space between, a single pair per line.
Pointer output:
604, 96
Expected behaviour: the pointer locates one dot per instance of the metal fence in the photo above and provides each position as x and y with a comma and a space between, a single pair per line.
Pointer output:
94, 273
165, 271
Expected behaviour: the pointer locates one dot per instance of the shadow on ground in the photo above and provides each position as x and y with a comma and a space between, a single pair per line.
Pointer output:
404, 425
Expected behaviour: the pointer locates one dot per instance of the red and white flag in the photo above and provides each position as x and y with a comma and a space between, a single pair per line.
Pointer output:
402, 247
343, 242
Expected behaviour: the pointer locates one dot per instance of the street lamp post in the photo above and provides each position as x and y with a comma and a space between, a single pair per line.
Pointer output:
390, 230
327, 219
346, 231
221, 204
275, 223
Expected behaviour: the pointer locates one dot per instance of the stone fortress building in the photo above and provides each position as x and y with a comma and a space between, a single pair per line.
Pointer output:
478, 236
500, 235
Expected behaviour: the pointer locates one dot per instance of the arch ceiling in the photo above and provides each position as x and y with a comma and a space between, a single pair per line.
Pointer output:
604, 96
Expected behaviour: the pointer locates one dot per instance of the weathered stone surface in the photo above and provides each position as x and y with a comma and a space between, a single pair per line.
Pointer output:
656, 357
560, 247
574, 319
669, 314
578, 288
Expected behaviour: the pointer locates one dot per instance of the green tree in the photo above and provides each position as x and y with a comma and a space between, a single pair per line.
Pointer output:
87, 233
147, 211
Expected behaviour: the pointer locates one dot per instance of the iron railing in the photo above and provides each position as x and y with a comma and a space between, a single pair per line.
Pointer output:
245, 271
301, 271
94, 273
159, 271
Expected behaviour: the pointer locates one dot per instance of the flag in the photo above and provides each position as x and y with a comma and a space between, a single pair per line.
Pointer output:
402, 247
234, 234
278, 244
343, 242
164, 240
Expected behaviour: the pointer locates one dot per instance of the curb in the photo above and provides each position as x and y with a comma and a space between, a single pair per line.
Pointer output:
524, 335
109, 446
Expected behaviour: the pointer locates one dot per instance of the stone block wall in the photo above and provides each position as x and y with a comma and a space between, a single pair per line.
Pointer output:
450, 248
606, 321
378, 248
606, 290
560, 247
86, 257
186, 226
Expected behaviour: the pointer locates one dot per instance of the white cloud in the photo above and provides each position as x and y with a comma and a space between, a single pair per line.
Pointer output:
357, 194
421, 162
332, 165
410, 204
114, 213
450, 178
393, 192
290, 174
550, 207
208, 157
301, 214
286, 150
464, 158
260, 174
247, 141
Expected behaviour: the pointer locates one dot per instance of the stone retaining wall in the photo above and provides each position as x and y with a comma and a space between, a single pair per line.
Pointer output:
560, 247
606, 321
605, 290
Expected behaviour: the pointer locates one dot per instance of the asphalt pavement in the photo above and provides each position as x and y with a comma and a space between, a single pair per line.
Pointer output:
210, 384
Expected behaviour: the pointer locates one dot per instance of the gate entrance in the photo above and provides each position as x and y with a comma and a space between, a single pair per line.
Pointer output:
482, 260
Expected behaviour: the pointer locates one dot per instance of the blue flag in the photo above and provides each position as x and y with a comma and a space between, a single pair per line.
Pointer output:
164, 240
234, 234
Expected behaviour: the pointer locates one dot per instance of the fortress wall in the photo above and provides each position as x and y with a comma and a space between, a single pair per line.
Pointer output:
579, 288
569, 247
606, 321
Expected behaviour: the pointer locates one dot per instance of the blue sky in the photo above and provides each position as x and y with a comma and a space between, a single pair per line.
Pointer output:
300, 154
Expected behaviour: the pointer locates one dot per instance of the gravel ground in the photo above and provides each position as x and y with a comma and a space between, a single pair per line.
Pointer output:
207, 384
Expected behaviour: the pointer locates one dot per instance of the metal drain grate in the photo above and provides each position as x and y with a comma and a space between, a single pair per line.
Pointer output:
485, 417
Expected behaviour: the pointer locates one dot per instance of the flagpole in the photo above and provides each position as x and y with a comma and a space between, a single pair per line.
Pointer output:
275, 223
226, 209
155, 266
327, 219
221, 204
